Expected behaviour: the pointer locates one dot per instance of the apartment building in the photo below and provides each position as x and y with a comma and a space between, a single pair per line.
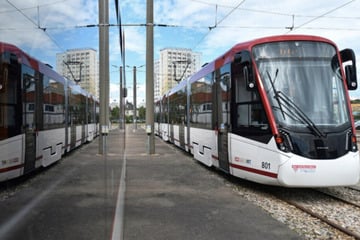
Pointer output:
174, 65
80, 65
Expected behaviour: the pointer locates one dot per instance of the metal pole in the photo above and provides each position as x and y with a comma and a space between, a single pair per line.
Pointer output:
104, 72
121, 107
150, 76
134, 91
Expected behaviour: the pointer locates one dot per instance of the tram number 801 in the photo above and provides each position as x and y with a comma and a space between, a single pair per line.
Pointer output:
265, 165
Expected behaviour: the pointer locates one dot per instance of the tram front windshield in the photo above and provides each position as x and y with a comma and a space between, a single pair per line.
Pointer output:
303, 83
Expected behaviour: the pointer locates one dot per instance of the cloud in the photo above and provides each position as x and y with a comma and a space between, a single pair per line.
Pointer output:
45, 14
135, 40
335, 20
43, 27
252, 19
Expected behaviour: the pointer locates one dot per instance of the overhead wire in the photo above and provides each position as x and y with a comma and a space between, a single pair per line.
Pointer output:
29, 8
37, 24
191, 26
274, 12
183, 26
121, 39
121, 32
228, 14
291, 28
320, 16
217, 23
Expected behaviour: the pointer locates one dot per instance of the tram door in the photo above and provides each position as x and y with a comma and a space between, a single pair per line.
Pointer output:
73, 115
182, 135
72, 132
31, 115
182, 99
222, 112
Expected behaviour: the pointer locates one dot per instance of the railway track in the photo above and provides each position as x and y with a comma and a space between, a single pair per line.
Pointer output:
339, 212
321, 213
349, 195
318, 213
356, 187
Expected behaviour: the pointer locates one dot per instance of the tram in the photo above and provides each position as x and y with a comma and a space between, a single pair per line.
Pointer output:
273, 110
42, 114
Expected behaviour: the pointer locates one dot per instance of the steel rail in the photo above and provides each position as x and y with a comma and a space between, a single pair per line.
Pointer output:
322, 218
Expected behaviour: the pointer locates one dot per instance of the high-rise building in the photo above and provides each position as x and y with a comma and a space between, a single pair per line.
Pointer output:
70, 63
157, 80
175, 64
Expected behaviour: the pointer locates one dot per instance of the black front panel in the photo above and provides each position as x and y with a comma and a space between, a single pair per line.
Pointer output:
332, 146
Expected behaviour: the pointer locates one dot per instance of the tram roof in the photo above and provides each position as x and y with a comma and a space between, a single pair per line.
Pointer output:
37, 65
30, 61
248, 45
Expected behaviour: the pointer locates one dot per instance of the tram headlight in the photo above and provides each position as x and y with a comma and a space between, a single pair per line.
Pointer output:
353, 143
283, 141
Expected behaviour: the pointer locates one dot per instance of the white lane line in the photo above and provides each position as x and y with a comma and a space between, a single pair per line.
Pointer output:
118, 227
6, 228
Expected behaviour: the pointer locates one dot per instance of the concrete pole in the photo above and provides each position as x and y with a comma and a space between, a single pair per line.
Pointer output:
134, 93
150, 76
104, 72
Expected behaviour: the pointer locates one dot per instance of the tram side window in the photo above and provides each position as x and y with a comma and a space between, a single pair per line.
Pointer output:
91, 110
157, 116
82, 112
250, 119
178, 107
165, 110
77, 103
30, 95
97, 112
10, 114
54, 103
172, 109
201, 102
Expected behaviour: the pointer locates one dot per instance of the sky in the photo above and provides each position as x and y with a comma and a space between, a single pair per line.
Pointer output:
43, 28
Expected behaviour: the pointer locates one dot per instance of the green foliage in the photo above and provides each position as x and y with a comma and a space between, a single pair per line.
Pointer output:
129, 119
356, 101
142, 113
114, 114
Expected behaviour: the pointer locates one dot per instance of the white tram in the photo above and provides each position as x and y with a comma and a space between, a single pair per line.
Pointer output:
42, 114
274, 110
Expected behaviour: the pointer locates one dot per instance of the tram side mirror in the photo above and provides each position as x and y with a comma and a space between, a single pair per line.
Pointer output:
351, 77
249, 78
244, 63
349, 61
3, 79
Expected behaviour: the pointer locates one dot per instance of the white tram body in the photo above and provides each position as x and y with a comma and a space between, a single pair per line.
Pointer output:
274, 110
11, 157
288, 169
42, 114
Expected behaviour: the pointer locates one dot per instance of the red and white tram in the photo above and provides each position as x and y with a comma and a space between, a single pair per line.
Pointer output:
42, 114
274, 110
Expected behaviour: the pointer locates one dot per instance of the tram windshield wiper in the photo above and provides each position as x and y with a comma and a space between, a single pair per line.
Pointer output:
299, 114
293, 111
276, 96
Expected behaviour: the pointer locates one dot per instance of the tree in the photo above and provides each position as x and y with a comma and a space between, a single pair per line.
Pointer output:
115, 114
142, 113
